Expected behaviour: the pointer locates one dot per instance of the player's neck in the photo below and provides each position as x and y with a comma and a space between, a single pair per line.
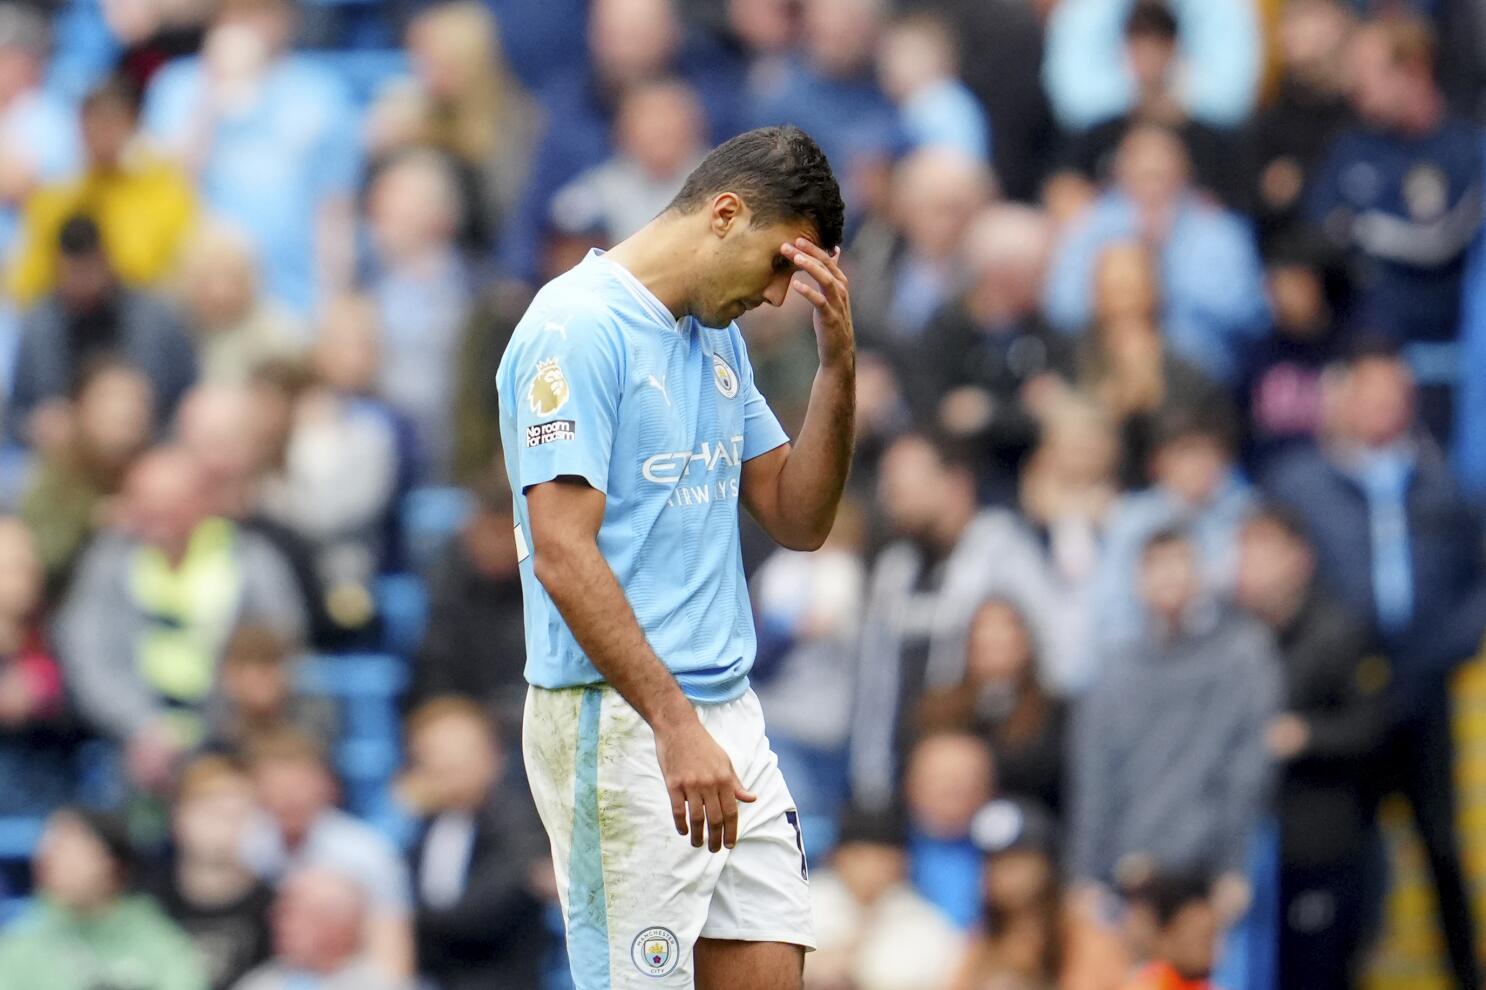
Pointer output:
656, 255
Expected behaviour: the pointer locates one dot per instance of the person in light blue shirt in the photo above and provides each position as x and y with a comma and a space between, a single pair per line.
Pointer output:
919, 67
633, 430
1212, 280
1088, 81
272, 138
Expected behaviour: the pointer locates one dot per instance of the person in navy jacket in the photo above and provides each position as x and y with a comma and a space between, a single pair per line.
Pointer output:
1397, 542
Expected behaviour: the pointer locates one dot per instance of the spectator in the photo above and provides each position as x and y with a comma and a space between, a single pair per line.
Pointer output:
1043, 551
907, 266
1408, 228
257, 695
1031, 935
109, 422
143, 204
808, 608
866, 912
1000, 48
1126, 364
475, 646
422, 294
87, 930
1400, 546
151, 608
1291, 136
629, 42
237, 435
38, 131
481, 867
1168, 765
1281, 390
1215, 81
1211, 293
271, 138
829, 90
235, 326
1326, 742
1001, 701
1186, 940
319, 937
462, 101
91, 314
919, 70
335, 489
205, 887
34, 737
1195, 485
660, 136
304, 831
949, 776
921, 592
1150, 49
993, 360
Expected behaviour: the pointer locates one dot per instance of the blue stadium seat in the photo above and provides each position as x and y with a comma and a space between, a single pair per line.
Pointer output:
369, 751
364, 72
402, 604
430, 518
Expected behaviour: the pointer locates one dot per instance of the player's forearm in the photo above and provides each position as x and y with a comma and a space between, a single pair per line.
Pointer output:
585, 591
814, 475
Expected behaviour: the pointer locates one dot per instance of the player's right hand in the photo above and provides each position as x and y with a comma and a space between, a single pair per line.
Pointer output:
704, 789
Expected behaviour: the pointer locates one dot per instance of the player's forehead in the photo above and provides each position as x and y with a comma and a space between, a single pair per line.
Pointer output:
779, 232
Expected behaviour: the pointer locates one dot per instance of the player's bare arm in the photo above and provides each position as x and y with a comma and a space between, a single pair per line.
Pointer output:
704, 789
793, 491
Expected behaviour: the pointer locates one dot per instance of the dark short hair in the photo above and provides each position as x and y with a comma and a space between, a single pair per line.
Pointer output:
114, 91
1151, 19
780, 172
1210, 419
80, 237
884, 827
1283, 518
1168, 894
1164, 537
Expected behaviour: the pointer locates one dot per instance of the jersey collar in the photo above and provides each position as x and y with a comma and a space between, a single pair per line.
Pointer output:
642, 295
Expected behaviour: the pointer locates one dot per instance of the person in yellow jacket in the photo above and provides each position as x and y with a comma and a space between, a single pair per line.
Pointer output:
144, 205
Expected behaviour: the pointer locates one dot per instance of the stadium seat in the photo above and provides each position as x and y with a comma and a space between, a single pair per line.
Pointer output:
364, 72
402, 604
430, 518
369, 751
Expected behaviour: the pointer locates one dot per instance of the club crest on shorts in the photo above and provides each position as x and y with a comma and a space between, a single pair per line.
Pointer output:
656, 952
726, 378
548, 391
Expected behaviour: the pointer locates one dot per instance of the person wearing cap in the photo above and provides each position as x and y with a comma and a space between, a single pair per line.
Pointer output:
874, 931
39, 140
1030, 932
91, 315
87, 930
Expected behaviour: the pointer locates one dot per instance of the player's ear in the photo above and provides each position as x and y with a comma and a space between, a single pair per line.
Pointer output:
727, 212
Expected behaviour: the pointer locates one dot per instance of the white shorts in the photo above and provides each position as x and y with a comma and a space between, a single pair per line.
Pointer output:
636, 895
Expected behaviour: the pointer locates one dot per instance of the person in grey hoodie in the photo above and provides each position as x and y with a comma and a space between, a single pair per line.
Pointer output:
1168, 765
152, 606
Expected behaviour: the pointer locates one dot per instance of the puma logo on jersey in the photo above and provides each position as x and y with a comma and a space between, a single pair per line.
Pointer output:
660, 386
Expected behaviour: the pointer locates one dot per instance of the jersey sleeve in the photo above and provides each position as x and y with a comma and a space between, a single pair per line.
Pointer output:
761, 429
563, 388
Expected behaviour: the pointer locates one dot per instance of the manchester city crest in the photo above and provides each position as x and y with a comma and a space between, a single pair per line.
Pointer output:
656, 952
726, 378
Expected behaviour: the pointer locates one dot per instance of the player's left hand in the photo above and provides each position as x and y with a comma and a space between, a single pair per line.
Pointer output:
835, 338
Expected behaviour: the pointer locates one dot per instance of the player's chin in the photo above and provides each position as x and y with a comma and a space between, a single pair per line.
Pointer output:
719, 319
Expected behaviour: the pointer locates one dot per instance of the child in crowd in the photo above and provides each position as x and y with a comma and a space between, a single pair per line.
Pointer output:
257, 695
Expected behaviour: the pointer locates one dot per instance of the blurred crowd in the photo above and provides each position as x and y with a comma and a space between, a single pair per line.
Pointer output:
1160, 551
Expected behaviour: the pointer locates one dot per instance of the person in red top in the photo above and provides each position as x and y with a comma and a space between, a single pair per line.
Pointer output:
1184, 923
34, 740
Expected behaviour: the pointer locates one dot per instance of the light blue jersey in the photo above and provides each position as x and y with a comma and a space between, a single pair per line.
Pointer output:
602, 383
